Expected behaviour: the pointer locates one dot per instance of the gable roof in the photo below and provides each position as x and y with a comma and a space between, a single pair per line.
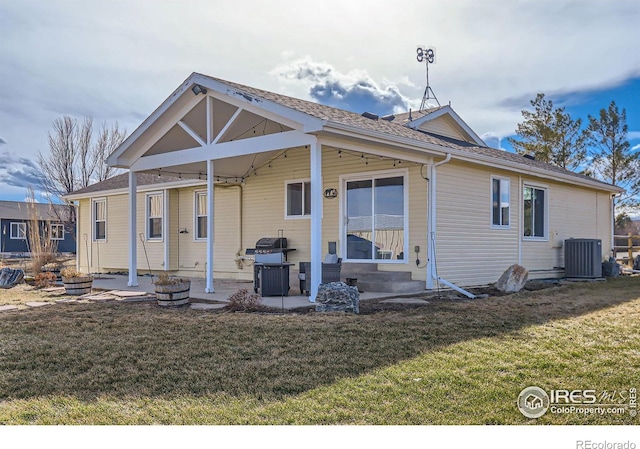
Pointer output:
18, 210
316, 118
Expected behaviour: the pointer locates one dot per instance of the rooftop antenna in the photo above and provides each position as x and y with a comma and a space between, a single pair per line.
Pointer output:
428, 56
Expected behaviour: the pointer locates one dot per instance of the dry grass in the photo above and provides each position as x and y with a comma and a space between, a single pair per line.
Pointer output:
450, 362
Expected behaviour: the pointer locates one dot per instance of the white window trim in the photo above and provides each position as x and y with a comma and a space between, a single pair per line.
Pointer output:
93, 219
495, 226
295, 217
21, 225
544, 187
196, 193
404, 172
51, 225
147, 217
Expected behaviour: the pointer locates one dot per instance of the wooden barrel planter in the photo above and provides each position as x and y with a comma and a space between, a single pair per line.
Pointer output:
174, 294
80, 285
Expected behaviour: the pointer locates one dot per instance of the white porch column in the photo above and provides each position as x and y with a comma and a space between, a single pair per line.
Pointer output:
316, 218
210, 228
133, 232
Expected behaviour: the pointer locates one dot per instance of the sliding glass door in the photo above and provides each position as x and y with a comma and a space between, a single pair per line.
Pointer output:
374, 226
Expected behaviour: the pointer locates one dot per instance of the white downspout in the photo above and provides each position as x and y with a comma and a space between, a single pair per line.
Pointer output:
432, 274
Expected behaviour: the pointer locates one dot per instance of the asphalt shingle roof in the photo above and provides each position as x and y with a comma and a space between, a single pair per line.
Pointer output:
18, 210
395, 127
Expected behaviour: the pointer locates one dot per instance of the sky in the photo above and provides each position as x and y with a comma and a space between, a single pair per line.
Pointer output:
116, 61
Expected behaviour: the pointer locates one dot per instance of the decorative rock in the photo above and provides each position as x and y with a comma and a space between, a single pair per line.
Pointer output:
10, 277
337, 297
513, 279
611, 268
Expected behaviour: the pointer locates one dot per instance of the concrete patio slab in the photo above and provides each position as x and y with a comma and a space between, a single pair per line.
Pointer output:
223, 289
8, 308
67, 301
203, 306
405, 301
38, 304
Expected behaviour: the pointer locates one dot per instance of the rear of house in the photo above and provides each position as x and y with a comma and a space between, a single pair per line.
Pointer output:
418, 194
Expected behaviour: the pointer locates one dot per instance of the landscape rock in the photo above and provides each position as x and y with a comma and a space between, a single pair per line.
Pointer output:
337, 297
10, 277
513, 279
611, 268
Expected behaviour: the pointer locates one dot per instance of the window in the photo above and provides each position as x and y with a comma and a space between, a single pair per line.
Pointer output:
298, 199
500, 202
200, 224
56, 231
19, 231
534, 212
99, 219
154, 216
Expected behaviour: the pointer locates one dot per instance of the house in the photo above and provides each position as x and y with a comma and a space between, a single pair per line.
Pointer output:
416, 196
16, 218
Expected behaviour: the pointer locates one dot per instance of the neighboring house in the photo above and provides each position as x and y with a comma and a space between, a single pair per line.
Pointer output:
16, 218
219, 165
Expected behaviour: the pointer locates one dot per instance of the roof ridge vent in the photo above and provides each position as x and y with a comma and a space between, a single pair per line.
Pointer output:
370, 115
389, 117
530, 156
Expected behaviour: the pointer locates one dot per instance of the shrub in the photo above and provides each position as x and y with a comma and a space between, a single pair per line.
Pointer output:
45, 279
165, 279
244, 301
71, 273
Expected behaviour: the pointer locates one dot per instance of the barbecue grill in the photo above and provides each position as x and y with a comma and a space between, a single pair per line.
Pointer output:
271, 269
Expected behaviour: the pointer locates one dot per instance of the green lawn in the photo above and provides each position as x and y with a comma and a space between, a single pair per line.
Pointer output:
449, 362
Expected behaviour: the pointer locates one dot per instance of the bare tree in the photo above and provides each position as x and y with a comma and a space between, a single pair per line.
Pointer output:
108, 140
75, 161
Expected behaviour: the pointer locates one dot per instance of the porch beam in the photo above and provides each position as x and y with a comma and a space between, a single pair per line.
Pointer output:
208, 118
133, 233
376, 151
316, 218
191, 132
261, 144
210, 227
227, 125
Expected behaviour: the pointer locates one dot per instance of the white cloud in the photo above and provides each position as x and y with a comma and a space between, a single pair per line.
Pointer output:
635, 147
355, 91
94, 58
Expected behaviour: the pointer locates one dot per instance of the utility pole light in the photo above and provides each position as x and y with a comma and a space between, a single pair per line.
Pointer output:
428, 56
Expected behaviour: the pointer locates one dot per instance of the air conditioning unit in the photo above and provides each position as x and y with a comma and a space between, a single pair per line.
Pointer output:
583, 258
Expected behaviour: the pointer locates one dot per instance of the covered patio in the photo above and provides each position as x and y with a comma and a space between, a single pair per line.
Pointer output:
224, 289
210, 130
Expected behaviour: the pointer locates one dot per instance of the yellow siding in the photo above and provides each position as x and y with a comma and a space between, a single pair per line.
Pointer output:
469, 251
573, 213
443, 126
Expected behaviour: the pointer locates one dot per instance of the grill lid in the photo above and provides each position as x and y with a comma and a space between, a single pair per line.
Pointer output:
271, 243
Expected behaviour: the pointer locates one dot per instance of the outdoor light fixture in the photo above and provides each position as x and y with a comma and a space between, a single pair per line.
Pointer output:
198, 89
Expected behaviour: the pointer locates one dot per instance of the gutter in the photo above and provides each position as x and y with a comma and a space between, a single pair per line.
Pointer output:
432, 272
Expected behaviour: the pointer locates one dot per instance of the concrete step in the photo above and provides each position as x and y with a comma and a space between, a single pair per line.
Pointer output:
377, 276
392, 287
354, 267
